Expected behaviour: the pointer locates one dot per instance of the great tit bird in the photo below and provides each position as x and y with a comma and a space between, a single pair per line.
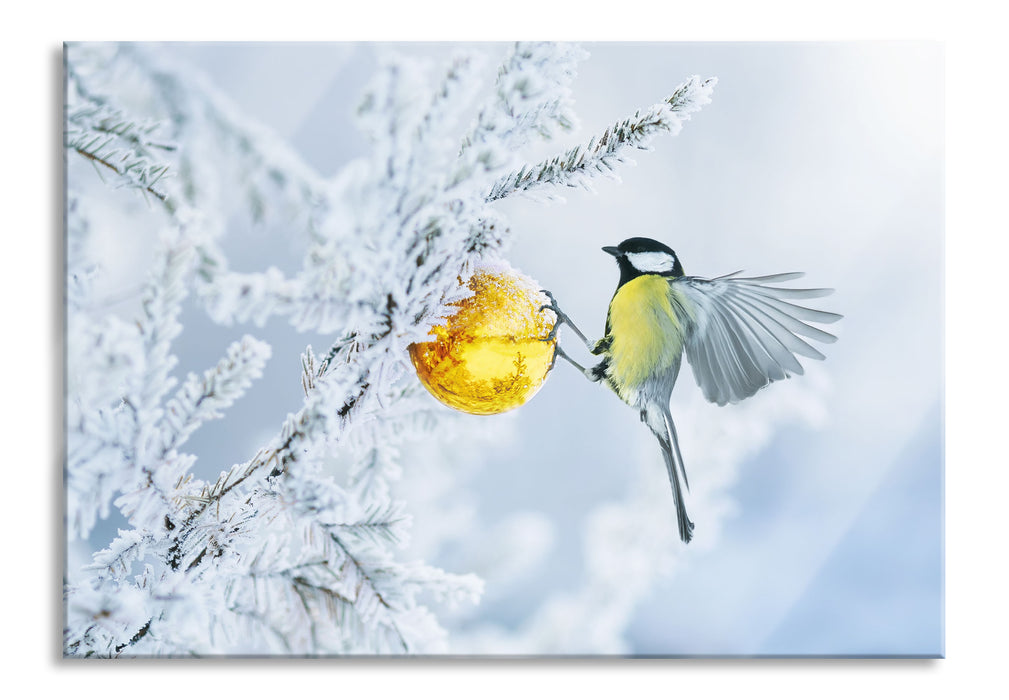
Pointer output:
739, 335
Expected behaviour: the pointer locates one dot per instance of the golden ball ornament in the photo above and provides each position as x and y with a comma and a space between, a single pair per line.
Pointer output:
489, 356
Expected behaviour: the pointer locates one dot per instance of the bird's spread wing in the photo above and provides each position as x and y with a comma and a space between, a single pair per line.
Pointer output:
743, 333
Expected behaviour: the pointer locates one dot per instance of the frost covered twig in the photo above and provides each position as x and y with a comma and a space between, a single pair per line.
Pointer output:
120, 145
575, 167
532, 96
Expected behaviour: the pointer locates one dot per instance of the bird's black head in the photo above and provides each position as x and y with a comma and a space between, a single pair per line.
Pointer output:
644, 256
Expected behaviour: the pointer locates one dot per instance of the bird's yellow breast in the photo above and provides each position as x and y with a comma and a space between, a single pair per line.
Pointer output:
645, 335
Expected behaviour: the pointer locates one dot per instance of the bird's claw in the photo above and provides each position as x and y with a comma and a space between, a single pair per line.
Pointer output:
553, 357
562, 318
552, 305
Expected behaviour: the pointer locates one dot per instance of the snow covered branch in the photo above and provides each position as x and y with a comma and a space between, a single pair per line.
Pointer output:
603, 153
121, 146
283, 552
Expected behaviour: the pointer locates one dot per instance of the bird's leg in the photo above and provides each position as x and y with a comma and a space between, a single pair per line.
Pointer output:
562, 319
559, 352
591, 373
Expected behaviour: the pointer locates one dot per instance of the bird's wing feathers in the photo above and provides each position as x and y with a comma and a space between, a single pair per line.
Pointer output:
744, 335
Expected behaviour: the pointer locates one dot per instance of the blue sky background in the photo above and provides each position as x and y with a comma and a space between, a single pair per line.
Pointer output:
820, 534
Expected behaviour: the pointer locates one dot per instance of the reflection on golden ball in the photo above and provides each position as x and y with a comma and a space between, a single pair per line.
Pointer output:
488, 357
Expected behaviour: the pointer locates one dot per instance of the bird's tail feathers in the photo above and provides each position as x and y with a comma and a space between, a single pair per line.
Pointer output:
674, 441
661, 425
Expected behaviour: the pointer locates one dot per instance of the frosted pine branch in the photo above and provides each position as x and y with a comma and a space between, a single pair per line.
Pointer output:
130, 546
120, 146
192, 103
603, 153
385, 523
532, 96
203, 398
223, 148
111, 424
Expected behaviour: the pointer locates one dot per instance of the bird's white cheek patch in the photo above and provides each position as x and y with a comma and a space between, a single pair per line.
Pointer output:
651, 262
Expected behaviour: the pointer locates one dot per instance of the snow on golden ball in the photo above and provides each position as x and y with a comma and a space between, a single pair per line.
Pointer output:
489, 356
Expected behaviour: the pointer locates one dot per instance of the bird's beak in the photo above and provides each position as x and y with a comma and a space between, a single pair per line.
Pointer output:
612, 250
